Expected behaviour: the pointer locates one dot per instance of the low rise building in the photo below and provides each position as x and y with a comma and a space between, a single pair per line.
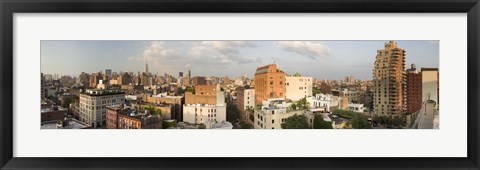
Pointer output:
323, 101
206, 107
52, 112
64, 124
174, 102
93, 105
273, 113
356, 107
129, 118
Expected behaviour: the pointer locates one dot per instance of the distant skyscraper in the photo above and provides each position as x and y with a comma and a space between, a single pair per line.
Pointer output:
389, 80
414, 90
108, 72
189, 74
146, 67
269, 83
180, 74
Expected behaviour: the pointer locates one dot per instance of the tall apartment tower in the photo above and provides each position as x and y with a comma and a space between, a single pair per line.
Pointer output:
269, 83
389, 80
414, 90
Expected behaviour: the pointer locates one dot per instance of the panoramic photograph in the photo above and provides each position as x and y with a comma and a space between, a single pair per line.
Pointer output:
254, 84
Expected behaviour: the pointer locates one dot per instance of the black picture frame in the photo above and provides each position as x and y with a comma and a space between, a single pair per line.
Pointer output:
9, 7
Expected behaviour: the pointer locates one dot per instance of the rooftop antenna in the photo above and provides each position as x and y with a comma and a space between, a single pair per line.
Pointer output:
274, 58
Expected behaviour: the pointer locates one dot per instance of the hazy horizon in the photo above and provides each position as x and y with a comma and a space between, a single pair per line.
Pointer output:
331, 60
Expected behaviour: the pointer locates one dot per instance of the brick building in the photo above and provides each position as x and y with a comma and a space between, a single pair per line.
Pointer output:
414, 90
269, 83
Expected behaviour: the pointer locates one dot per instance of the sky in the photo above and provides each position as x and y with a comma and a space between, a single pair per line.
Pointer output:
331, 60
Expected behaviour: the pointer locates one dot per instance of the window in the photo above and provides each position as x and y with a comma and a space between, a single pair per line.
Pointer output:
273, 121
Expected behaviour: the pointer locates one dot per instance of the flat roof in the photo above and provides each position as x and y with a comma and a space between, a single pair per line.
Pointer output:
49, 109
101, 92
429, 69
71, 124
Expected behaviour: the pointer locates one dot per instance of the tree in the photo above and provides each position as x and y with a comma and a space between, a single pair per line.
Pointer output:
152, 110
357, 120
202, 126
293, 106
232, 112
67, 101
326, 89
319, 123
316, 91
295, 122
245, 125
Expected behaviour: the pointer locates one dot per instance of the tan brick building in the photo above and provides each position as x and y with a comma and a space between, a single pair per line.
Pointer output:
389, 80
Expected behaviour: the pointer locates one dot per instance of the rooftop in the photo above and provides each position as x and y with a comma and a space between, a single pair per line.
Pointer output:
165, 95
102, 92
52, 109
222, 125
68, 124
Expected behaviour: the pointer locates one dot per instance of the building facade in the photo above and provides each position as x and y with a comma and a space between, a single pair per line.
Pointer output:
298, 87
323, 102
112, 116
414, 90
93, 105
269, 83
175, 102
389, 80
356, 107
273, 117
205, 108
245, 100
430, 85
199, 81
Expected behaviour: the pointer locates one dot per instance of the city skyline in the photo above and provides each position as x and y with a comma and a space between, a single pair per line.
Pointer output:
320, 59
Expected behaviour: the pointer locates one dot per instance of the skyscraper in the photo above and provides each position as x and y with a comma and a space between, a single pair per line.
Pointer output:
146, 67
269, 83
414, 90
108, 72
389, 80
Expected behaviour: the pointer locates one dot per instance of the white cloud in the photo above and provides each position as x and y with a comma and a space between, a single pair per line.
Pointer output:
157, 51
308, 49
203, 54
222, 52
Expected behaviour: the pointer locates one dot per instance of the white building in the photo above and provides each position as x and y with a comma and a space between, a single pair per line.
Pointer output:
93, 105
356, 107
323, 101
298, 87
248, 98
273, 113
430, 85
207, 114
